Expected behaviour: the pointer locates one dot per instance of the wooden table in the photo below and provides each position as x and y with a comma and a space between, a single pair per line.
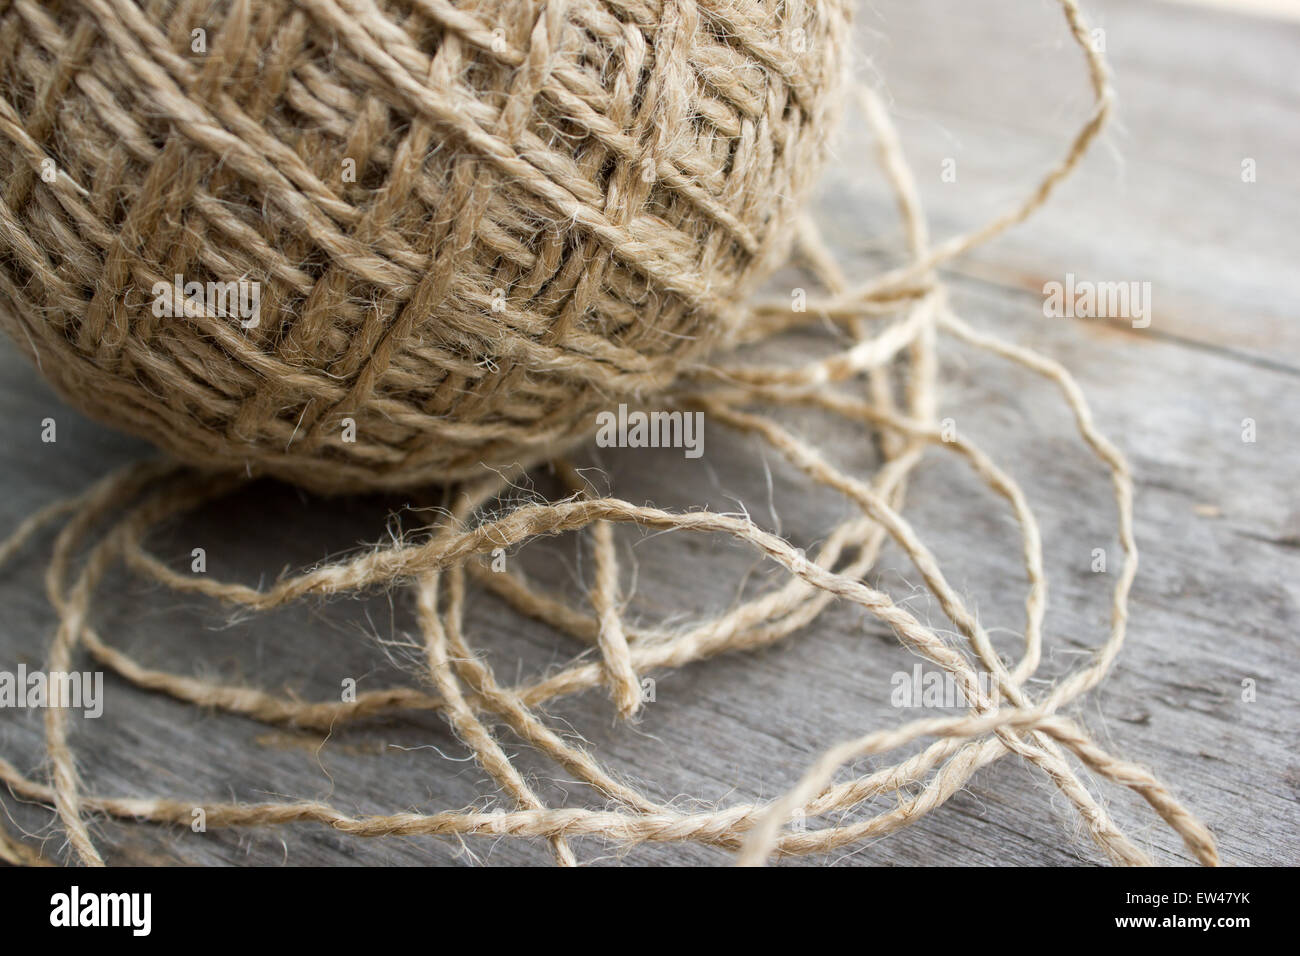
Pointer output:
998, 88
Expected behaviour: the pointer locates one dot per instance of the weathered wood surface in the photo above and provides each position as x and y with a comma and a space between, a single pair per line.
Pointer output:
996, 87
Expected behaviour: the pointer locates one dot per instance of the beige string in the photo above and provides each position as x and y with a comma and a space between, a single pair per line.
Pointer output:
611, 639
551, 202
464, 688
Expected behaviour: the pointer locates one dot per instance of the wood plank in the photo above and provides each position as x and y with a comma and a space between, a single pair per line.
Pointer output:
1218, 520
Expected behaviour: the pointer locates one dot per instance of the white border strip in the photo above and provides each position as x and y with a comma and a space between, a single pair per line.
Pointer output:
1275, 9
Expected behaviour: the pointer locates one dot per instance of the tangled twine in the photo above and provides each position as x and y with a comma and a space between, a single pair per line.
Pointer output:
466, 691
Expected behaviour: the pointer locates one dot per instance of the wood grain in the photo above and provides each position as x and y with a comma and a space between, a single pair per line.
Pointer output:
996, 87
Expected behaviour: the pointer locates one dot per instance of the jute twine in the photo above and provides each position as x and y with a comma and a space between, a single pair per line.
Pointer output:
471, 221
856, 383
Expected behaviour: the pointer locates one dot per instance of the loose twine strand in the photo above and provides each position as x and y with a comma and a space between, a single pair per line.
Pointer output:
464, 688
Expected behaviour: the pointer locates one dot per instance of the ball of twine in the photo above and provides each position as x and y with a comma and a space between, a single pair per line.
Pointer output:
358, 244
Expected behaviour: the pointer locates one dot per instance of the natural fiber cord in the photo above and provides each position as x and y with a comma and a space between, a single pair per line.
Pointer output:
605, 342
471, 222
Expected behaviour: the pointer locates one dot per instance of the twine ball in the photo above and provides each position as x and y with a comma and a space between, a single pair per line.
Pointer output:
468, 224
